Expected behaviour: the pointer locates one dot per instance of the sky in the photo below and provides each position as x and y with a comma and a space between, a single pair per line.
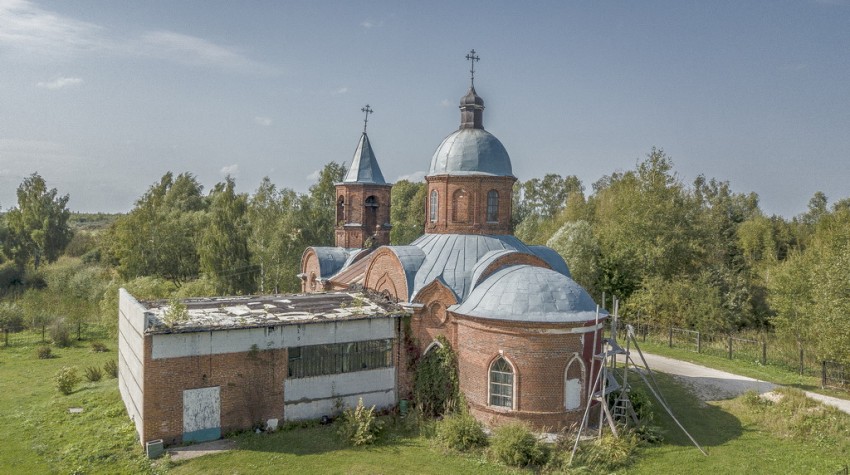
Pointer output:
103, 97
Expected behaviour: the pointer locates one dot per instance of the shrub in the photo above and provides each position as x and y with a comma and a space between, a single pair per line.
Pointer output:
98, 347
607, 453
461, 432
93, 374
177, 312
111, 368
66, 379
514, 444
359, 425
60, 334
435, 386
44, 352
10, 274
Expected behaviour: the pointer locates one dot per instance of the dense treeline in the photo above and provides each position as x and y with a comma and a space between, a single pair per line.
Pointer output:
695, 255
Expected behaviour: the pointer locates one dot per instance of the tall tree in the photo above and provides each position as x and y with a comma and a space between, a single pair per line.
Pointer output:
223, 249
38, 226
318, 209
275, 242
407, 212
159, 236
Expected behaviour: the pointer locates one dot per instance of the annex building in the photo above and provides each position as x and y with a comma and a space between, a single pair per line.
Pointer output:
522, 329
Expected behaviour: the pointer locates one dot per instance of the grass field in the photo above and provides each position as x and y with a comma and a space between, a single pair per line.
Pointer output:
39, 435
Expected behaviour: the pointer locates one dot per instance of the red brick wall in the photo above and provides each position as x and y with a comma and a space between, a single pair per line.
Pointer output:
470, 195
385, 274
312, 271
354, 196
251, 389
540, 360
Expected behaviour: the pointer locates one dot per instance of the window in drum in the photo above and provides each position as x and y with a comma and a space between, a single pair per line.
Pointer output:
501, 384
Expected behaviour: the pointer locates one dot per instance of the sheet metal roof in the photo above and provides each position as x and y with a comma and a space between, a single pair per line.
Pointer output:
364, 166
471, 152
453, 257
531, 294
332, 259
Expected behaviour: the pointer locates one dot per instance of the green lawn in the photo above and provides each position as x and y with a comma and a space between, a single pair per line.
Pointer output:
37, 432
39, 435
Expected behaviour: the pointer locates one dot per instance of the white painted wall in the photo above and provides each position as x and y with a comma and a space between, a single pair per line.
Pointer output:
131, 356
311, 398
214, 342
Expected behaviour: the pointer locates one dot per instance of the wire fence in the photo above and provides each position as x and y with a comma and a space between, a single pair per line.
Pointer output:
764, 348
43, 335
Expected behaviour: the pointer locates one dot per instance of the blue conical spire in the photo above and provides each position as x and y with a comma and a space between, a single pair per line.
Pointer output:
364, 165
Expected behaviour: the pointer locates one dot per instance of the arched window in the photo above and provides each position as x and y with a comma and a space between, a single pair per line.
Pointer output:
370, 215
340, 210
501, 384
492, 206
460, 206
573, 377
434, 205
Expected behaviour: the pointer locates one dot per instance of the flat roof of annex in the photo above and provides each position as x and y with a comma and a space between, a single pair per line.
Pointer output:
256, 311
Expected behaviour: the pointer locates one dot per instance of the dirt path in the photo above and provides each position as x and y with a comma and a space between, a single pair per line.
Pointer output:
712, 384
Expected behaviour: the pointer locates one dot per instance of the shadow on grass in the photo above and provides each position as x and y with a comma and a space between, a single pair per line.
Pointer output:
708, 424
321, 439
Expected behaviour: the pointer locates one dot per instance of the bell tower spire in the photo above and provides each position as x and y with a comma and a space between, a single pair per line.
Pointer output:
363, 198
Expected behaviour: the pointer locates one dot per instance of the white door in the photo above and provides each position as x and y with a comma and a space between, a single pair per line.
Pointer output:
201, 414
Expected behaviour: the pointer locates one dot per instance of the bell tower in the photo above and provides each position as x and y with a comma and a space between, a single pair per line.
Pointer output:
363, 199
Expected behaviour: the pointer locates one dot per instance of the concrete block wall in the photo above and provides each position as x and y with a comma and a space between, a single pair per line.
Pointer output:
131, 357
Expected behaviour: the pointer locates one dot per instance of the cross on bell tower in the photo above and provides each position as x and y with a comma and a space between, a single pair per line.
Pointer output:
472, 58
368, 110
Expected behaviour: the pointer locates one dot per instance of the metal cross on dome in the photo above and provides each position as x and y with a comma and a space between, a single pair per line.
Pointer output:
368, 110
472, 58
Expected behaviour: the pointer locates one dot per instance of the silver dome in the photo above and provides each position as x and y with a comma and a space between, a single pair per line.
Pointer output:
471, 151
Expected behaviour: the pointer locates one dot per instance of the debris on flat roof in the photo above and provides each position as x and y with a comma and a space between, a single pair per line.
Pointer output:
214, 313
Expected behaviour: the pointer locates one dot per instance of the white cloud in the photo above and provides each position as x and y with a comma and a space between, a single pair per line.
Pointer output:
26, 29
341, 90
194, 51
446, 103
230, 170
369, 24
413, 177
59, 83
264, 121
315, 175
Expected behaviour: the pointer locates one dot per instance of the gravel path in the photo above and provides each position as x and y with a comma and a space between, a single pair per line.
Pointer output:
712, 384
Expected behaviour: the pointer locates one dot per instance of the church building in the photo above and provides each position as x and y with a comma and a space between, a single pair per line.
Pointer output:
522, 329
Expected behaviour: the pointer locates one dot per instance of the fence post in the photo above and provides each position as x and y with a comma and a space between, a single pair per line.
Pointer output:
764, 353
823, 375
699, 343
670, 338
802, 362
730, 347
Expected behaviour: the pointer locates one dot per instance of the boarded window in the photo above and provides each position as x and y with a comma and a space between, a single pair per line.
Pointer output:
460, 206
501, 384
320, 360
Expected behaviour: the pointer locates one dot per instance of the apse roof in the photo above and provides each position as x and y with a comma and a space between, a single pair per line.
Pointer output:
531, 294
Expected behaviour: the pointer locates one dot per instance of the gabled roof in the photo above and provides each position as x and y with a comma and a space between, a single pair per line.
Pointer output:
364, 166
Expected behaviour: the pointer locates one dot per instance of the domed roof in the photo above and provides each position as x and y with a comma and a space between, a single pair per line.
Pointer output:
527, 293
471, 151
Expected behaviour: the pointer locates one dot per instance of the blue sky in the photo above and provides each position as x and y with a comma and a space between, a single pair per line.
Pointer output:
102, 98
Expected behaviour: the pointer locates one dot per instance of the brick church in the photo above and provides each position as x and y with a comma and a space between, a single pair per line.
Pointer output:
522, 329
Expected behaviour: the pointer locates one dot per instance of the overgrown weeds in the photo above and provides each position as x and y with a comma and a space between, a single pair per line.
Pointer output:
460, 432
